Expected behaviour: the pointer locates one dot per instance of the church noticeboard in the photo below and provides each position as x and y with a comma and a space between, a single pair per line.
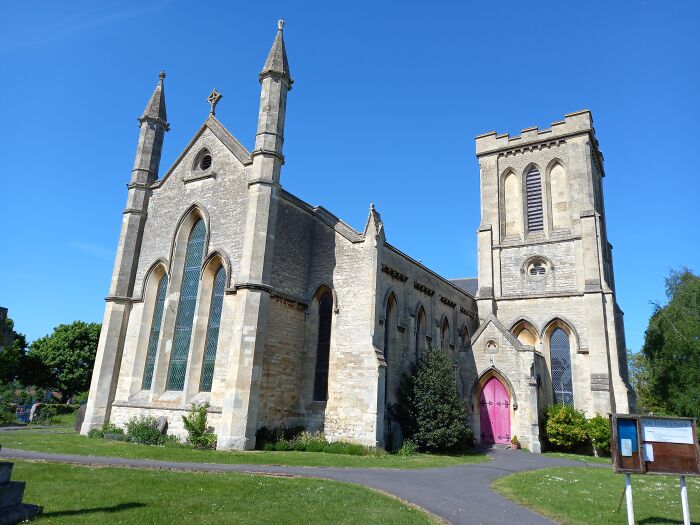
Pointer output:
654, 445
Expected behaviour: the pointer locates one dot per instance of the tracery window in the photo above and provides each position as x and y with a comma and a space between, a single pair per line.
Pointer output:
323, 347
217, 302
445, 335
559, 350
155, 333
533, 191
186, 307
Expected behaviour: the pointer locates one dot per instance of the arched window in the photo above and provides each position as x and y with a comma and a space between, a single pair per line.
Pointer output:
559, 350
445, 334
389, 330
512, 206
466, 340
559, 189
525, 332
217, 302
186, 306
421, 325
533, 191
155, 333
323, 347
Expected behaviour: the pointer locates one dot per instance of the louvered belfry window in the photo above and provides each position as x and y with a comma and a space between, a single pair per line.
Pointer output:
561, 367
155, 333
323, 347
217, 302
185, 309
533, 191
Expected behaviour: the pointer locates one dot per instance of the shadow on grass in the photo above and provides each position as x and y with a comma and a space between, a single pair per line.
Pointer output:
78, 512
654, 519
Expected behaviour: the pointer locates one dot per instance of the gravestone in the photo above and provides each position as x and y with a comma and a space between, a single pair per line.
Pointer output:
162, 424
80, 417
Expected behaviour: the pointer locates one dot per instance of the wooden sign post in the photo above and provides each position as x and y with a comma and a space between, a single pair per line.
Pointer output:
654, 445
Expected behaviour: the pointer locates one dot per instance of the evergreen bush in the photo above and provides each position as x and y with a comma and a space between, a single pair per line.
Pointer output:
431, 413
566, 429
599, 433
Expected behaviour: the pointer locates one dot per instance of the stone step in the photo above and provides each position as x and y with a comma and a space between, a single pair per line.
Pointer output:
19, 513
11, 494
5, 471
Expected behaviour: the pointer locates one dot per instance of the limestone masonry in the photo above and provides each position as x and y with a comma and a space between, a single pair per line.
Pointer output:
229, 290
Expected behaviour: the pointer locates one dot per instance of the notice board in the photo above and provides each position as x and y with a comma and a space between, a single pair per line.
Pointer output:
654, 444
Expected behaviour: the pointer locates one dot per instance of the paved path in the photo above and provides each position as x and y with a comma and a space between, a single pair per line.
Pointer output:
460, 494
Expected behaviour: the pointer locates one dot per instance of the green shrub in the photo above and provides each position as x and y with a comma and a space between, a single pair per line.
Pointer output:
408, 448
266, 435
107, 429
284, 445
430, 411
198, 435
566, 428
142, 431
47, 412
80, 399
599, 433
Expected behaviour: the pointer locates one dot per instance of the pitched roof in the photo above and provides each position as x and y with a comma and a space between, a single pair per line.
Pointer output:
468, 284
492, 319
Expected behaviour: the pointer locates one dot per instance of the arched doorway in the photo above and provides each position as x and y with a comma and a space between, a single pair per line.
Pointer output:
494, 412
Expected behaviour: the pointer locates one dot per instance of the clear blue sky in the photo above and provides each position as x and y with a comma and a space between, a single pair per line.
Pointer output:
385, 107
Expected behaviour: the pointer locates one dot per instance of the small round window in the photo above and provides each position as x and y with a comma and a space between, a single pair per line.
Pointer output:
205, 163
536, 268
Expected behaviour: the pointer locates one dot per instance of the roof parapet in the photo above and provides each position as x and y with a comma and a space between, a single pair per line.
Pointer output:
573, 123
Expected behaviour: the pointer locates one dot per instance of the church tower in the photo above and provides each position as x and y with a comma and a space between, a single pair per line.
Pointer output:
545, 263
153, 125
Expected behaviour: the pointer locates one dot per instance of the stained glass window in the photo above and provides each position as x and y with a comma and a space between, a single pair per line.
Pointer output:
561, 367
155, 333
186, 306
533, 191
217, 302
323, 348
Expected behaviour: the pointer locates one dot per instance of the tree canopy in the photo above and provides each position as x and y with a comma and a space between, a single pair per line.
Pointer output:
69, 355
431, 412
667, 371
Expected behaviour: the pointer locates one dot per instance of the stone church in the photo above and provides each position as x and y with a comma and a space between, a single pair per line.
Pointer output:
229, 290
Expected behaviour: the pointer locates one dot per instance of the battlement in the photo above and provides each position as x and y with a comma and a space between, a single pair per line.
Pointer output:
573, 123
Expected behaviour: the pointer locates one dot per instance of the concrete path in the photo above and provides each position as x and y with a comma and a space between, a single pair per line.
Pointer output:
460, 494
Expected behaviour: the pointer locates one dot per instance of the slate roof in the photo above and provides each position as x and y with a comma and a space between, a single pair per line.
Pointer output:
468, 284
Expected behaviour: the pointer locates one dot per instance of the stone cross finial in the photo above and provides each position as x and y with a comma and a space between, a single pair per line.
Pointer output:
280, 24
161, 75
213, 100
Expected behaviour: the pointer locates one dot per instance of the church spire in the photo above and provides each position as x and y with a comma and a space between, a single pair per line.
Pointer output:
276, 63
155, 109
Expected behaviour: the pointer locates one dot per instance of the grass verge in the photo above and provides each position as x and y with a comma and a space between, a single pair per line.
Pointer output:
579, 495
71, 443
74, 495
579, 457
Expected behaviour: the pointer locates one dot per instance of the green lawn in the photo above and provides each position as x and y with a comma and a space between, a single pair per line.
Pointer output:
73, 495
579, 457
66, 442
591, 495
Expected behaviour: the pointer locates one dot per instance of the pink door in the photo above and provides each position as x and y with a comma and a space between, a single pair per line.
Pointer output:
494, 413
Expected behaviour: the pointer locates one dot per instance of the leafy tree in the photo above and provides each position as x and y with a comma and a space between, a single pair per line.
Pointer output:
430, 410
13, 347
670, 367
69, 355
